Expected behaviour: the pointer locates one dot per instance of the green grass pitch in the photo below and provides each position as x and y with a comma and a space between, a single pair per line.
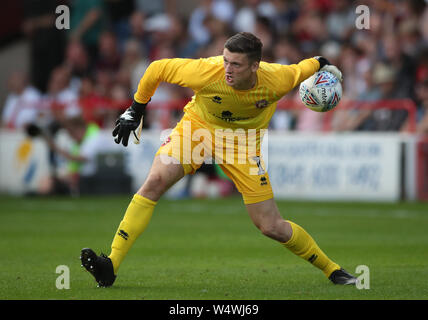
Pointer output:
209, 249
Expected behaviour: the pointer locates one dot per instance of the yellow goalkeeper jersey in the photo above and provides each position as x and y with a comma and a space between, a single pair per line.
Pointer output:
218, 104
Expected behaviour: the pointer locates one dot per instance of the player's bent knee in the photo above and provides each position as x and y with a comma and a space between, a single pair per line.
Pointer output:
275, 229
154, 186
155, 180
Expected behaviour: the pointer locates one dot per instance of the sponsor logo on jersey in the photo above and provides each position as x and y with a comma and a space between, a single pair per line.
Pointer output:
168, 140
216, 99
228, 116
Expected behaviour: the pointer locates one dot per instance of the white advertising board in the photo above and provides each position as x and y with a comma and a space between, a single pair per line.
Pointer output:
348, 167
335, 166
24, 163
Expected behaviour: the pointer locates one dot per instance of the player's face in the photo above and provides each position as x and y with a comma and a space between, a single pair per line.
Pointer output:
240, 72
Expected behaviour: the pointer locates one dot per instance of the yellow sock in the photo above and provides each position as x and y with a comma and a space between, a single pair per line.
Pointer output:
302, 244
135, 221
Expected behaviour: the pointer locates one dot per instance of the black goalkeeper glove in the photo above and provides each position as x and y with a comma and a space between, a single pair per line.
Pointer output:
325, 65
129, 121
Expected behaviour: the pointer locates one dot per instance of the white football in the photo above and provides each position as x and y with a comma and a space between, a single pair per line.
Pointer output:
321, 92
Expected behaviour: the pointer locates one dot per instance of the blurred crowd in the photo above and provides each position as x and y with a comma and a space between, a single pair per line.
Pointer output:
93, 69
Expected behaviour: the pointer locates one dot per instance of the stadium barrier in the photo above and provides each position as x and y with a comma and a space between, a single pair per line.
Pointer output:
422, 168
358, 166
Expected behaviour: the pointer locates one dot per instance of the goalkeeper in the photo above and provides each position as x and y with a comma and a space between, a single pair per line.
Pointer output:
233, 91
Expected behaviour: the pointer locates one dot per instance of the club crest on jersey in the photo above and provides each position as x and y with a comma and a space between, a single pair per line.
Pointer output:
168, 140
262, 104
216, 99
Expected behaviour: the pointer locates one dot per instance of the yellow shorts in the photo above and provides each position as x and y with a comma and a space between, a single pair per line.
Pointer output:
192, 142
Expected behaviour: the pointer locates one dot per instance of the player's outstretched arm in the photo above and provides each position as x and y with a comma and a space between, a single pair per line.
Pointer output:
128, 121
325, 65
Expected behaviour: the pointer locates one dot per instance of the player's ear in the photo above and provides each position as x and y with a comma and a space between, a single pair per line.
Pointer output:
255, 66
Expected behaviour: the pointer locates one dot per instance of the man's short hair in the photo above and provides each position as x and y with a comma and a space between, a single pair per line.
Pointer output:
245, 42
75, 122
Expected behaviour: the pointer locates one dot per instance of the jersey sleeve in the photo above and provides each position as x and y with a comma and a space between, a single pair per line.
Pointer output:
287, 77
191, 73
297, 73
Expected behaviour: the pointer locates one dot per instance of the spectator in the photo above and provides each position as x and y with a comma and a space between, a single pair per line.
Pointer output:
405, 68
118, 12
131, 59
331, 50
341, 21
152, 8
355, 64
410, 39
108, 53
61, 96
285, 51
215, 47
159, 27
310, 31
46, 42
185, 47
80, 156
22, 103
421, 72
285, 13
423, 25
246, 16
77, 61
108, 63
265, 31
307, 120
87, 21
222, 10
384, 78
422, 115
104, 81
94, 107
197, 29
138, 32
